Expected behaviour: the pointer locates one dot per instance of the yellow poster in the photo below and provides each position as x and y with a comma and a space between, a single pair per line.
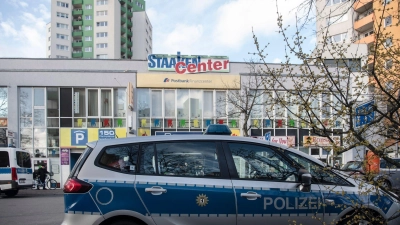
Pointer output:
235, 132
77, 138
143, 132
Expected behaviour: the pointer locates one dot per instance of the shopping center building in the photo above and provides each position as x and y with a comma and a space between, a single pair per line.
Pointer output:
53, 107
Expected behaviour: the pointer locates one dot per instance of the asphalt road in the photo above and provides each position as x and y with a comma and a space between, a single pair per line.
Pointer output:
41, 207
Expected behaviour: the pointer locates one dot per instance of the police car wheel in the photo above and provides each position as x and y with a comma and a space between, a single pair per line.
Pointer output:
11, 193
123, 222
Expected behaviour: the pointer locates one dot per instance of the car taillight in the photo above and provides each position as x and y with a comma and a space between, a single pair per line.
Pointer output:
74, 185
14, 173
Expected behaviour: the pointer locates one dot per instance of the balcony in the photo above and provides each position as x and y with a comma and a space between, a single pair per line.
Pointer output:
362, 6
77, 33
77, 2
129, 44
123, 30
365, 23
129, 4
366, 40
76, 44
123, 50
129, 23
129, 54
130, 14
123, 2
123, 10
77, 54
129, 33
123, 21
77, 22
123, 40
77, 12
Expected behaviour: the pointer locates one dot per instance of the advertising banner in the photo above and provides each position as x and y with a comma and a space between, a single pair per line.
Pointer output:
77, 138
64, 156
319, 141
284, 140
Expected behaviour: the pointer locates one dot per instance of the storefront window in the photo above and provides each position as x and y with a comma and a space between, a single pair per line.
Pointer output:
182, 103
169, 103
3, 103
39, 96
220, 97
279, 108
208, 104
119, 102
93, 102
52, 102
53, 138
156, 103
25, 100
106, 103
143, 100
256, 111
79, 102
326, 103
39, 118
26, 138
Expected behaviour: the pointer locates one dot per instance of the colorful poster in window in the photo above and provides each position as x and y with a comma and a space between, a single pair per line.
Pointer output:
320, 141
143, 132
235, 132
3, 122
64, 156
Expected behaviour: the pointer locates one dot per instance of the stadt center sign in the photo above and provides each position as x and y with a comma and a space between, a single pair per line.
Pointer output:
188, 63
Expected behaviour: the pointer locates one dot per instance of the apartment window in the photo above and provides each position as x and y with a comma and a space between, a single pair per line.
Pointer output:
61, 57
88, 6
388, 42
368, 33
101, 13
388, 21
49, 38
388, 64
336, 19
88, 17
337, 38
62, 36
102, 45
49, 48
62, 26
102, 24
102, 2
101, 34
62, 4
49, 29
88, 28
88, 38
102, 56
62, 47
88, 49
62, 15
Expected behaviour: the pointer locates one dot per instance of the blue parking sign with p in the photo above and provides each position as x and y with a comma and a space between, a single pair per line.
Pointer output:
79, 136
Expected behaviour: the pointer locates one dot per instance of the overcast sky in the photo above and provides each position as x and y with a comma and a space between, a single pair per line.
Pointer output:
206, 27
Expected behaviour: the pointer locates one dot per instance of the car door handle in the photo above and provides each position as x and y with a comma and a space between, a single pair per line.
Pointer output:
329, 201
156, 190
250, 195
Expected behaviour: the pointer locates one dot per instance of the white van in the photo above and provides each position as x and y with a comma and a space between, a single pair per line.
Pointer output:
15, 170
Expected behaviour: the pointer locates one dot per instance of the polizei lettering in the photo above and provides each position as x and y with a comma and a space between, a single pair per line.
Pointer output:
188, 64
287, 203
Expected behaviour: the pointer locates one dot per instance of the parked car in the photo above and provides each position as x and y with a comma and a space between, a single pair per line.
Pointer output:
15, 170
389, 174
213, 179
353, 168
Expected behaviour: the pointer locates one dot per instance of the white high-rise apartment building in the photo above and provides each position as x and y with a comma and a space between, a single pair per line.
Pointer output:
99, 29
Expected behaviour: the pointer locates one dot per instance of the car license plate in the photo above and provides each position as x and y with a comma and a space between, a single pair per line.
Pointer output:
22, 181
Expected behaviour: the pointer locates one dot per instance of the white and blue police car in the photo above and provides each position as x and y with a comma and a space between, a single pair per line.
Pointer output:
210, 179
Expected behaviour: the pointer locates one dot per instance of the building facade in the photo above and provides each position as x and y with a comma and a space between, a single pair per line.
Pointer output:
99, 29
53, 107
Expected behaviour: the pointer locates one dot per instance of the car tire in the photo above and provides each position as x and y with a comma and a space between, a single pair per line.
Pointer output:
123, 222
11, 193
361, 216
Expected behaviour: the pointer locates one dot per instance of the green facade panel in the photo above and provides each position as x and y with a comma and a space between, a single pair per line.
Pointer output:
88, 33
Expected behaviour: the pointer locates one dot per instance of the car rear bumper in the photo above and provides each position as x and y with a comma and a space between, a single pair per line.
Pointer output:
84, 219
13, 185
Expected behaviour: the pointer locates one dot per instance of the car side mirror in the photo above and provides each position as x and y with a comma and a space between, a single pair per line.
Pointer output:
305, 176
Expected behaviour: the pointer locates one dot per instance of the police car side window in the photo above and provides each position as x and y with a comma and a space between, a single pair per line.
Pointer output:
23, 159
261, 163
187, 159
4, 159
320, 175
121, 158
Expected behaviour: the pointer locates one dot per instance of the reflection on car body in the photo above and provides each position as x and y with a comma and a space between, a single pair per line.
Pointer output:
210, 179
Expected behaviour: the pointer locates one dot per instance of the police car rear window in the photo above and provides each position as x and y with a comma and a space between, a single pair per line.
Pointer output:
121, 158
187, 159
4, 159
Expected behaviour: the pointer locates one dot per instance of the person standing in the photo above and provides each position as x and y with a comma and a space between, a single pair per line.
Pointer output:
42, 171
